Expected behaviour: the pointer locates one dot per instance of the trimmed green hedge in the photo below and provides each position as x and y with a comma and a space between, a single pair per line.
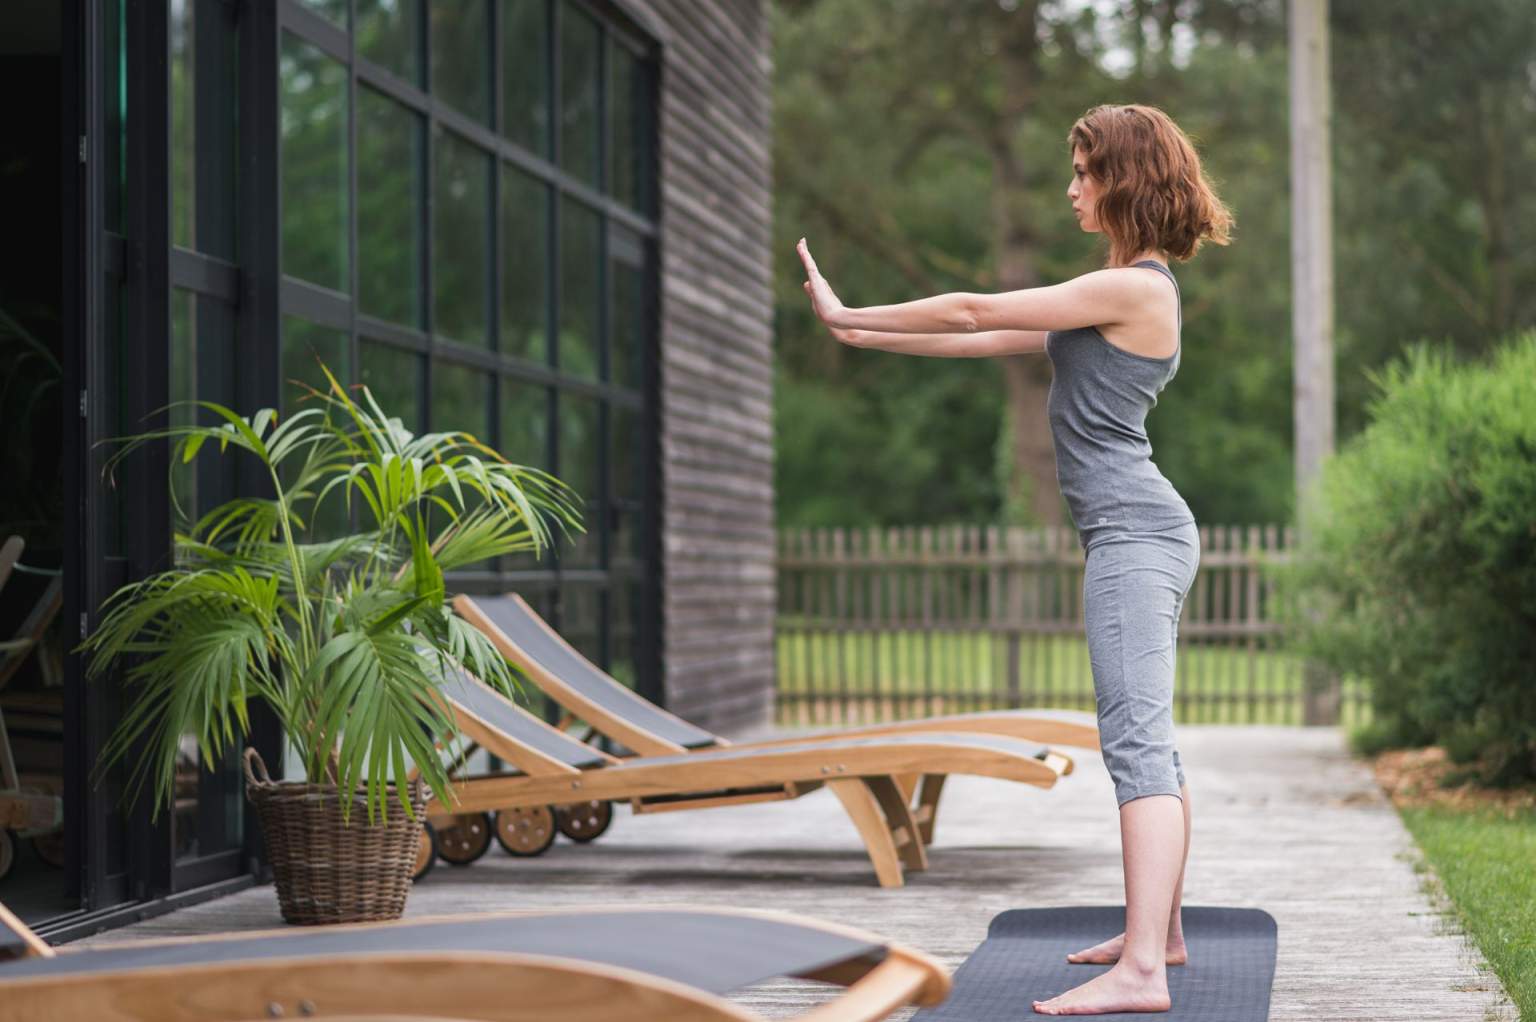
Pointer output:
1418, 567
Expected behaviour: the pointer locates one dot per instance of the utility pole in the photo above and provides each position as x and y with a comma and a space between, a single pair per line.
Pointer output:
1312, 282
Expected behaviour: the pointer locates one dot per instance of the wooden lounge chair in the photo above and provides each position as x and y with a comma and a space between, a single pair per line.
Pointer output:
14, 651
31, 813
555, 769
666, 964
624, 716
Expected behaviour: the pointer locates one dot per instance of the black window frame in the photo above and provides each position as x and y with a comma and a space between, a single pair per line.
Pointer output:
123, 270
331, 309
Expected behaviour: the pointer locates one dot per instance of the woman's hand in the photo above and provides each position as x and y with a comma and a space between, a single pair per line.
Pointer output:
827, 306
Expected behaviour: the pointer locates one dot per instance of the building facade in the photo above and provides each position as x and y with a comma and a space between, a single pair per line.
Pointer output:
545, 222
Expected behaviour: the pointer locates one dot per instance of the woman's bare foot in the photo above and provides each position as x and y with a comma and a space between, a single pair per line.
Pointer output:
1108, 953
1122, 988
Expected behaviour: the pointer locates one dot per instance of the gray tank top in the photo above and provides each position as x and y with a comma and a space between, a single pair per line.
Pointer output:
1098, 404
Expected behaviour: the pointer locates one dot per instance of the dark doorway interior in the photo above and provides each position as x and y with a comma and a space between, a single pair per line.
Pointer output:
33, 462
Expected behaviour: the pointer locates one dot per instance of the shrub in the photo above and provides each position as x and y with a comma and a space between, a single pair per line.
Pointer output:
1417, 569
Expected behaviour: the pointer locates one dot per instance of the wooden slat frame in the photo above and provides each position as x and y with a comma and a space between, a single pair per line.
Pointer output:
1012, 595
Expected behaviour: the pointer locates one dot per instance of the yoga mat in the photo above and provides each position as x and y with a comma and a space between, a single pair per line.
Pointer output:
1024, 958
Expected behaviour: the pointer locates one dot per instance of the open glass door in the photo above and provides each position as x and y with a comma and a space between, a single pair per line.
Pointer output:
34, 528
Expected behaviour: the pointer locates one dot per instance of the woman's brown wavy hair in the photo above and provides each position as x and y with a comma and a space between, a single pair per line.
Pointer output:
1154, 196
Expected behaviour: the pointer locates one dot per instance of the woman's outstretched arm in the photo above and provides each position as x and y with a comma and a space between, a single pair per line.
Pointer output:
987, 344
1094, 299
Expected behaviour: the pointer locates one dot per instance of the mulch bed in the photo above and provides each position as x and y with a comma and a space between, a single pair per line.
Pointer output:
1417, 778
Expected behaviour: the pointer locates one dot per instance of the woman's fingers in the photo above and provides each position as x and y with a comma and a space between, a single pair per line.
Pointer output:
805, 257
823, 301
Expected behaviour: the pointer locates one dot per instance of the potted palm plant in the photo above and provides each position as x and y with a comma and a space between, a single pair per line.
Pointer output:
346, 638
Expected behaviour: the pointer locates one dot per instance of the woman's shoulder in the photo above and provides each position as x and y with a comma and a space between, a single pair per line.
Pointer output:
1135, 287
1135, 280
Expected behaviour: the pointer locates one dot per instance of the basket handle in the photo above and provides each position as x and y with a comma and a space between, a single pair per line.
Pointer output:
253, 762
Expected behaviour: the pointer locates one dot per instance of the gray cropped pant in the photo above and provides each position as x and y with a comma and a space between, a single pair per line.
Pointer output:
1134, 584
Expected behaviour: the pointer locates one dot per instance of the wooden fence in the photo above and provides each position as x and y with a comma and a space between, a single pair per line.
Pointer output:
881, 624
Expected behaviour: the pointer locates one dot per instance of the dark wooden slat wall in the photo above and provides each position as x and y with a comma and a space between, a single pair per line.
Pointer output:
716, 362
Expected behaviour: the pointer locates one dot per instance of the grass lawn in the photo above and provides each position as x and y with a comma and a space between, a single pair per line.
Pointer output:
1486, 862
884, 674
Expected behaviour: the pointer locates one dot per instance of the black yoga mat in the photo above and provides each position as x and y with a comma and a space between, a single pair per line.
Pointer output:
1024, 958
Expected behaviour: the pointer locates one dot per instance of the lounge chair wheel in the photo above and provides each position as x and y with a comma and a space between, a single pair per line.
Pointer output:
526, 830
7, 853
426, 852
584, 821
466, 840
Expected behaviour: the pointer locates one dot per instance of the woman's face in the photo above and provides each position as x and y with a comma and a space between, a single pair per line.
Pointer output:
1084, 193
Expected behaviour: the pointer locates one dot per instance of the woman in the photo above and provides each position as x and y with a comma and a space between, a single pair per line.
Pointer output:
1113, 339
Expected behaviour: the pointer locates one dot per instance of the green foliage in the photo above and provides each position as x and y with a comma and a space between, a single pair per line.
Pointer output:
868, 443
1377, 736
1418, 569
346, 640
891, 118
1436, 120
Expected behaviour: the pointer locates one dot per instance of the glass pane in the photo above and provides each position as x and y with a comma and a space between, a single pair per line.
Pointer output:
183, 109
314, 165
387, 34
390, 193
629, 107
305, 347
461, 55
579, 469
393, 376
204, 60
202, 369
524, 439
336, 10
208, 817
524, 423
525, 73
581, 618
461, 253
525, 284
579, 442
626, 325
461, 400
626, 555
580, 39
580, 230
625, 603
625, 508
183, 387
624, 428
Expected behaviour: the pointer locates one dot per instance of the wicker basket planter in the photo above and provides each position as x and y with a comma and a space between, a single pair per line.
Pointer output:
328, 871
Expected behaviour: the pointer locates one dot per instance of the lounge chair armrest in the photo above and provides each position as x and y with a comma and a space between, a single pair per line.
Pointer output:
904, 977
1059, 761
